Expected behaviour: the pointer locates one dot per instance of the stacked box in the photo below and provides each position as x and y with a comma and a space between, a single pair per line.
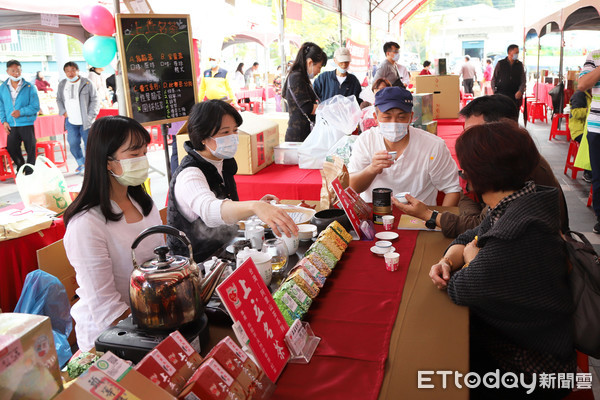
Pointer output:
430, 127
422, 108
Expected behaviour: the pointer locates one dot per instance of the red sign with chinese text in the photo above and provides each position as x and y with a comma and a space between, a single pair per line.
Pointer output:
250, 303
360, 56
358, 212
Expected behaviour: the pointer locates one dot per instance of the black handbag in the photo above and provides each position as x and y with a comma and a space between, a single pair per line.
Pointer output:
584, 279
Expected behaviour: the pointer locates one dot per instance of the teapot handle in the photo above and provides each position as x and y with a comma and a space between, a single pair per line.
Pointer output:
164, 229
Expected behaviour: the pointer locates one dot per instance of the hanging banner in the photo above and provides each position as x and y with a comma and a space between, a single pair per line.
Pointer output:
360, 56
294, 10
5, 36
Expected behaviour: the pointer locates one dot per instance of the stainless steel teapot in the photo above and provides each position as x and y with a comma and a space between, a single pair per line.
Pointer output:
167, 291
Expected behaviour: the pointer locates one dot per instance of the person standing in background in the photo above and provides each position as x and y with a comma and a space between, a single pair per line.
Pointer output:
338, 81
78, 102
469, 74
299, 93
509, 76
249, 75
99, 81
19, 106
589, 78
277, 89
41, 84
425, 70
487, 77
215, 85
389, 68
238, 80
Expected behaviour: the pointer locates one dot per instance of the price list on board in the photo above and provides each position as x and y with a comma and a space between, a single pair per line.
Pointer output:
158, 66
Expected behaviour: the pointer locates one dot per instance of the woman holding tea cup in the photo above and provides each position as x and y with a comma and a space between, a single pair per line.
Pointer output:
203, 200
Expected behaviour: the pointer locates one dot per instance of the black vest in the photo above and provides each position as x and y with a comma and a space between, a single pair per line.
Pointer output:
205, 240
509, 76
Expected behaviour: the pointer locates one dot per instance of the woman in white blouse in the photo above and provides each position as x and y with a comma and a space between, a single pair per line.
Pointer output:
203, 200
108, 214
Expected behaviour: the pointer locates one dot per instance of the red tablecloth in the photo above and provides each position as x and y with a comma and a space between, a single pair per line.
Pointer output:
541, 91
284, 181
107, 111
251, 93
19, 258
44, 126
354, 316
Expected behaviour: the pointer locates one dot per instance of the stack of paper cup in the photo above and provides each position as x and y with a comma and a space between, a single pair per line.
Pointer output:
388, 222
392, 261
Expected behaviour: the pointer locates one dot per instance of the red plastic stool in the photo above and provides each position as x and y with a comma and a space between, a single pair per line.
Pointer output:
590, 197
156, 141
49, 147
466, 99
6, 165
570, 163
556, 131
537, 111
257, 107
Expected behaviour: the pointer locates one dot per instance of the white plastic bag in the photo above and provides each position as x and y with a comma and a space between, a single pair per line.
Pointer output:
45, 186
336, 117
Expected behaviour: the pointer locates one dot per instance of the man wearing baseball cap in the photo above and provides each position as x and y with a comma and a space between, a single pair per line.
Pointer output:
400, 157
338, 81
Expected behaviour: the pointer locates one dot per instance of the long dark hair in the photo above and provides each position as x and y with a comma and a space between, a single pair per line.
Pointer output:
307, 50
205, 120
240, 68
106, 135
37, 76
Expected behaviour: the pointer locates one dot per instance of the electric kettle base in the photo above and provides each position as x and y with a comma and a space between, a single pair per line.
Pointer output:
131, 343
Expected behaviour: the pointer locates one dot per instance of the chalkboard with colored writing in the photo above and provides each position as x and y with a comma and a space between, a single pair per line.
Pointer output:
158, 67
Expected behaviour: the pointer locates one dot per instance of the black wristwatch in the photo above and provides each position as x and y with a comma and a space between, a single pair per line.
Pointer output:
430, 224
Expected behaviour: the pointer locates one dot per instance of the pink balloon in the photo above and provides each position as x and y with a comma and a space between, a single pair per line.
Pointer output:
98, 20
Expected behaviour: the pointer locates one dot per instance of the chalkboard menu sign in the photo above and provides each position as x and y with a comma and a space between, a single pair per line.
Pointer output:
158, 67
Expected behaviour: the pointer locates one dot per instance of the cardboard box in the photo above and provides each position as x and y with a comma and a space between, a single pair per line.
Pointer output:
446, 94
180, 354
28, 361
422, 108
572, 75
113, 378
161, 372
212, 382
258, 137
430, 127
282, 119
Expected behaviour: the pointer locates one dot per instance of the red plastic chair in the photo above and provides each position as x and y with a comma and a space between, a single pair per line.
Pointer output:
257, 107
466, 99
156, 141
6, 165
590, 197
556, 131
571, 155
49, 147
537, 110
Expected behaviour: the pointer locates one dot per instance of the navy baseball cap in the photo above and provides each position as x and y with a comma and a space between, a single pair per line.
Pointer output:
394, 97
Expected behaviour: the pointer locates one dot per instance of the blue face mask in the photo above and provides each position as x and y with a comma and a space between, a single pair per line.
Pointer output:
73, 79
515, 56
341, 70
12, 78
214, 64
226, 146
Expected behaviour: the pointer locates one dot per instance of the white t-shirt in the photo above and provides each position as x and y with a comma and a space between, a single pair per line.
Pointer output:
424, 168
72, 105
194, 197
100, 252
341, 79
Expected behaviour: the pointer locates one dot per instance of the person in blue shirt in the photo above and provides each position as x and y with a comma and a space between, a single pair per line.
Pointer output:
19, 106
338, 81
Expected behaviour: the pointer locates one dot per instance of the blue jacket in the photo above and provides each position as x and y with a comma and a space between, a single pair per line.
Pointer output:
27, 103
327, 85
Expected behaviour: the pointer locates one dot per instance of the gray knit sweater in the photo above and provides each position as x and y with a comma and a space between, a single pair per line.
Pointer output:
516, 287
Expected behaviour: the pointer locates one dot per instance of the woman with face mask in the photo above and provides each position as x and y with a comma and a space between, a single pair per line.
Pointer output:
403, 158
203, 200
111, 210
299, 93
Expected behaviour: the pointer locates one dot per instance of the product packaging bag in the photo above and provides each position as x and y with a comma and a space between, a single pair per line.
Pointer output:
45, 186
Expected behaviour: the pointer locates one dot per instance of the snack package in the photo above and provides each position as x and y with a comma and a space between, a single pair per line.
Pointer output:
314, 272
303, 300
341, 231
305, 282
333, 168
331, 246
319, 263
239, 365
322, 251
287, 306
159, 370
335, 237
212, 382
180, 354
80, 363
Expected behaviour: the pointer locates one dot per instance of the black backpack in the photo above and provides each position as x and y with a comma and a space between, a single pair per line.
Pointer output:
584, 279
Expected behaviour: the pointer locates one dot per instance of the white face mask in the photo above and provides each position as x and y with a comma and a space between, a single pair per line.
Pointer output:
311, 74
17, 79
73, 79
396, 56
135, 171
393, 131
341, 70
226, 146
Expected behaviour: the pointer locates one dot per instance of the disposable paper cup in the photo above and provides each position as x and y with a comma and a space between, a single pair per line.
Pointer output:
392, 261
388, 222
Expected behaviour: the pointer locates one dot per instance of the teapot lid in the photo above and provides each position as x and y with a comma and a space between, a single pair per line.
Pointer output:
246, 252
165, 261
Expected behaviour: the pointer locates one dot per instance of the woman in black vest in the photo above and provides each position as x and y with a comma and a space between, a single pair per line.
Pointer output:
203, 200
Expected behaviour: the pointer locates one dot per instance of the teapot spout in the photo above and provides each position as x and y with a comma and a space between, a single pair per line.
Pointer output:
210, 282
